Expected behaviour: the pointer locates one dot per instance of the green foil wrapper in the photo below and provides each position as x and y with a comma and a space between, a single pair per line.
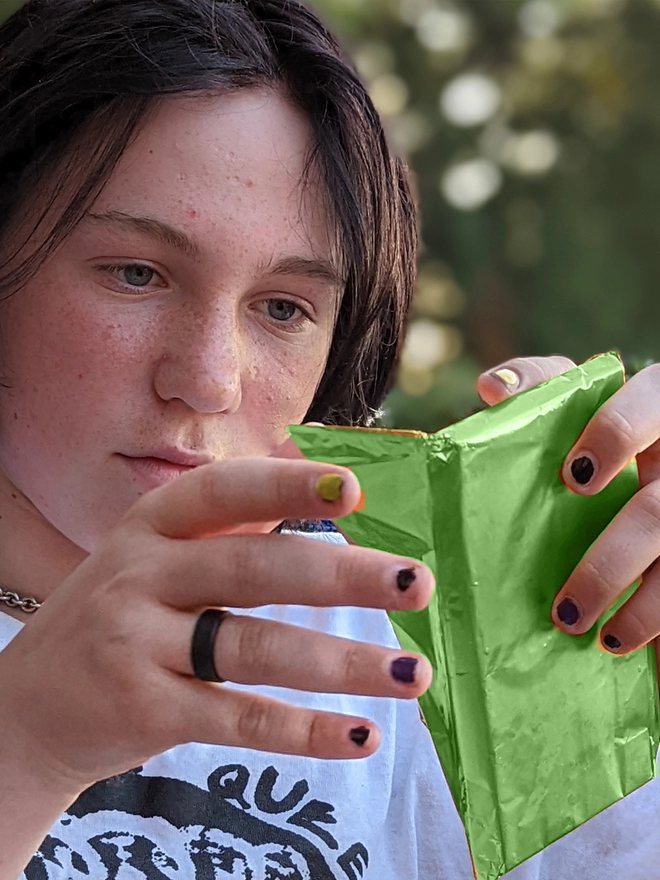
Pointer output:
536, 731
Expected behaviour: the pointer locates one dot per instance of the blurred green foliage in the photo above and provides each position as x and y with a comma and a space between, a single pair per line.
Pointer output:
533, 129
9, 6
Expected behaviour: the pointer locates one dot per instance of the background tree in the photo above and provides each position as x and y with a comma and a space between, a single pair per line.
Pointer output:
533, 130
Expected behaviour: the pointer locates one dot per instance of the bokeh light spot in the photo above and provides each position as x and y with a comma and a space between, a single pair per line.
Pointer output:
469, 185
470, 99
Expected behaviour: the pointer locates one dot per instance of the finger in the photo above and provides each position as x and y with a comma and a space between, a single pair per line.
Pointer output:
247, 571
626, 425
519, 374
624, 551
223, 495
216, 714
252, 651
638, 621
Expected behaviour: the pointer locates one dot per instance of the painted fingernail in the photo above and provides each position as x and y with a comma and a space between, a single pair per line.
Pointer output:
611, 642
583, 470
509, 378
568, 612
329, 487
360, 735
405, 578
403, 669
360, 505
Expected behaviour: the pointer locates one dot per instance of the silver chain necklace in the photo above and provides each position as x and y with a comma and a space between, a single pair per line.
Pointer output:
14, 601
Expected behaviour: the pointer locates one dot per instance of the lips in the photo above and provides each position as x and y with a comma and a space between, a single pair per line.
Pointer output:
153, 471
177, 456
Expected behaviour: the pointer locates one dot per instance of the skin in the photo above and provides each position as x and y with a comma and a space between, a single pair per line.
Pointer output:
625, 428
196, 359
100, 678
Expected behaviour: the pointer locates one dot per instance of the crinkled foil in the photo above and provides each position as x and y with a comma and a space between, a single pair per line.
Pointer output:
536, 731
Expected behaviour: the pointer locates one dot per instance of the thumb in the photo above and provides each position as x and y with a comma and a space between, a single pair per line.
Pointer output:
519, 374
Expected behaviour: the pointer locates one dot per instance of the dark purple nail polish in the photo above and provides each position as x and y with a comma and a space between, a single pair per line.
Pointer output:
583, 470
405, 578
360, 735
611, 642
403, 669
567, 612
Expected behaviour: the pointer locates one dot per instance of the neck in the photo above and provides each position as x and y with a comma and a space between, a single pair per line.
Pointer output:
34, 556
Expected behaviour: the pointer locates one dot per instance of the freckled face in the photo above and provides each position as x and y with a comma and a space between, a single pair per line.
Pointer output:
189, 310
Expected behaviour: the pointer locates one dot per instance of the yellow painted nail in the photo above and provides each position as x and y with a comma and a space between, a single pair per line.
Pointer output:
507, 376
329, 487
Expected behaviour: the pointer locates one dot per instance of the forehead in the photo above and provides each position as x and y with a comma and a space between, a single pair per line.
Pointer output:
226, 160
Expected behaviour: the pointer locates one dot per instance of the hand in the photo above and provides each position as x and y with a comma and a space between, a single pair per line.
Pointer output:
100, 679
626, 427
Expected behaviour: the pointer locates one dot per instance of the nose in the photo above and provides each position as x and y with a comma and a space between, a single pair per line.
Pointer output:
201, 361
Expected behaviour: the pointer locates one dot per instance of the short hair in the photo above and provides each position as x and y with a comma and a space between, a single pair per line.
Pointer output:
88, 71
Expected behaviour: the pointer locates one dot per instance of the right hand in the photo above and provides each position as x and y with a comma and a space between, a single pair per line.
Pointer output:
100, 680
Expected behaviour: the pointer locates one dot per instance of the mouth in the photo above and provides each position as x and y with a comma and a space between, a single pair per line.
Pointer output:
152, 471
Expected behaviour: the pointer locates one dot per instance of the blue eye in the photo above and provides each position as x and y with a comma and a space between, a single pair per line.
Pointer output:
138, 275
281, 309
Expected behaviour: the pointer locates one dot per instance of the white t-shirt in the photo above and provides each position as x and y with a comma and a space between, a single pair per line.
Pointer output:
200, 811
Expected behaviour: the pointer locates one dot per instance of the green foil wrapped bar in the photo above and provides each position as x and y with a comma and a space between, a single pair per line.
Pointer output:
536, 731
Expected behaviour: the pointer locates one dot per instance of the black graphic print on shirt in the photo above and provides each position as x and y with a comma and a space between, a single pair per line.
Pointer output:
135, 826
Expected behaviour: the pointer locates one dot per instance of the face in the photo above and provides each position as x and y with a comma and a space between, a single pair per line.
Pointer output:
192, 309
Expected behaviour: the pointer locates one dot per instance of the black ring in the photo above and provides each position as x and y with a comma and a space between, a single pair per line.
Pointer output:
203, 643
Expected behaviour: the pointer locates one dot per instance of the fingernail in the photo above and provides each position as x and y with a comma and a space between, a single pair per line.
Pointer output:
360, 505
568, 612
507, 376
583, 470
405, 578
329, 487
360, 735
403, 669
611, 642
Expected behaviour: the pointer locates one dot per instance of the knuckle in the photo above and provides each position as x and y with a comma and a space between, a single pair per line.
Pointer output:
284, 483
597, 581
350, 663
214, 485
257, 646
347, 571
617, 425
315, 734
647, 509
633, 629
256, 723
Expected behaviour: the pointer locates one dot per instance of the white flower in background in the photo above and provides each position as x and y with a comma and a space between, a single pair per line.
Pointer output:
470, 99
470, 184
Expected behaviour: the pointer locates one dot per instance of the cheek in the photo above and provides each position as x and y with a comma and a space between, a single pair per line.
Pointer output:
279, 389
66, 368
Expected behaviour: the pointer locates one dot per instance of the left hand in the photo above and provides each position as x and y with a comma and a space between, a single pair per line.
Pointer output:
626, 427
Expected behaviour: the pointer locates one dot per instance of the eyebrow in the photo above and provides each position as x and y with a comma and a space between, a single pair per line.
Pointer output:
316, 268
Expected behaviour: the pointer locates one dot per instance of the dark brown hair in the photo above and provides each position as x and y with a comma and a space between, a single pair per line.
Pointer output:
78, 77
